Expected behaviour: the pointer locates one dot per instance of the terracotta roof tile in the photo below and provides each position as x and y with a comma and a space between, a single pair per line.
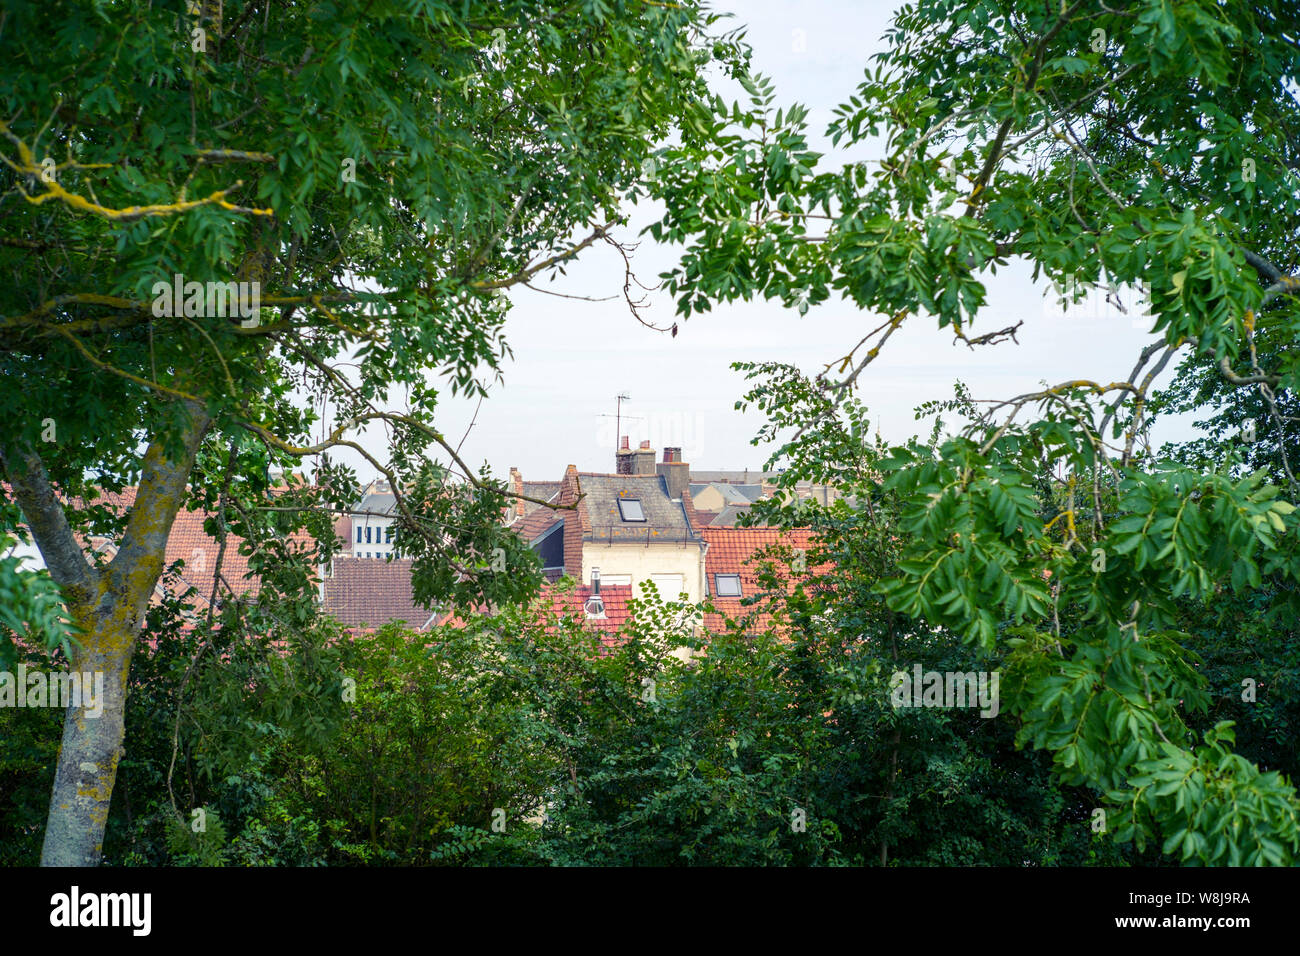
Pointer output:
537, 523
615, 599
368, 591
739, 551
573, 604
360, 591
189, 542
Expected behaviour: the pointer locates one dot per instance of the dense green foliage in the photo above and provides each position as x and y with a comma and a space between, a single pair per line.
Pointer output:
1139, 607
518, 742
370, 178
512, 742
1144, 143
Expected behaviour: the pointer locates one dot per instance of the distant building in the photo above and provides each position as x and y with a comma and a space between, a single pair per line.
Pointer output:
631, 528
718, 495
372, 524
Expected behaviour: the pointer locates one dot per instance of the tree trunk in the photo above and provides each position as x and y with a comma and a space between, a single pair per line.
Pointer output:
107, 603
88, 758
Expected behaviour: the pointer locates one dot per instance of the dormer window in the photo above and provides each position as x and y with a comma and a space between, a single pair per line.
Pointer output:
630, 509
727, 585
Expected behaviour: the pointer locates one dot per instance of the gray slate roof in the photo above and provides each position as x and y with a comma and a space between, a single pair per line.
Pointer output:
385, 503
542, 490
748, 476
664, 517
546, 490
727, 516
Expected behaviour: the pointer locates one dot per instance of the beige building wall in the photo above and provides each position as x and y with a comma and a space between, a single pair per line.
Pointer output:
821, 494
641, 562
710, 499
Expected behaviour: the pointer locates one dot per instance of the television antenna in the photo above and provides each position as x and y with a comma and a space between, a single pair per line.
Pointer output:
618, 417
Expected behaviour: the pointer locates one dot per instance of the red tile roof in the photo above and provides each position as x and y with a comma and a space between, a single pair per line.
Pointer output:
190, 543
574, 605
693, 518
740, 551
368, 591
359, 591
540, 520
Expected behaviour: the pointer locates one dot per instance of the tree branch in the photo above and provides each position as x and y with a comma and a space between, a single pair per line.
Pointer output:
158, 498
48, 523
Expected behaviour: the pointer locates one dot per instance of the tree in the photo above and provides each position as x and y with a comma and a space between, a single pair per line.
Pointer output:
210, 213
1143, 143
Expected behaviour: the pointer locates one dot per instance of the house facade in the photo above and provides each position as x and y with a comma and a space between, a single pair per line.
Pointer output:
372, 524
632, 528
616, 534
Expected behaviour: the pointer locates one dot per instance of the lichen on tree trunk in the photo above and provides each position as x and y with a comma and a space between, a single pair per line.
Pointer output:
107, 604
88, 759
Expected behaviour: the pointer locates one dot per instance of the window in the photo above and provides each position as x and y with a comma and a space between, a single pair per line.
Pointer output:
388, 535
614, 580
668, 585
630, 509
367, 534
358, 534
727, 585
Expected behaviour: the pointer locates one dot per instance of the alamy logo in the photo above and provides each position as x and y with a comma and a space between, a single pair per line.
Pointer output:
946, 689
218, 300
102, 909
61, 689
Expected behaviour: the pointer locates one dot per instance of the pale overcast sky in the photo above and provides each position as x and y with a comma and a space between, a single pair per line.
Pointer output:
572, 358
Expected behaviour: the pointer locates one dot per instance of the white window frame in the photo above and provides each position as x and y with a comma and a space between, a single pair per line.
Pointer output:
717, 585
639, 507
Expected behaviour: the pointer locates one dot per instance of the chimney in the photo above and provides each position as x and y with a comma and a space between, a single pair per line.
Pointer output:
675, 473
623, 459
595, 606
643, 462
517, 486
